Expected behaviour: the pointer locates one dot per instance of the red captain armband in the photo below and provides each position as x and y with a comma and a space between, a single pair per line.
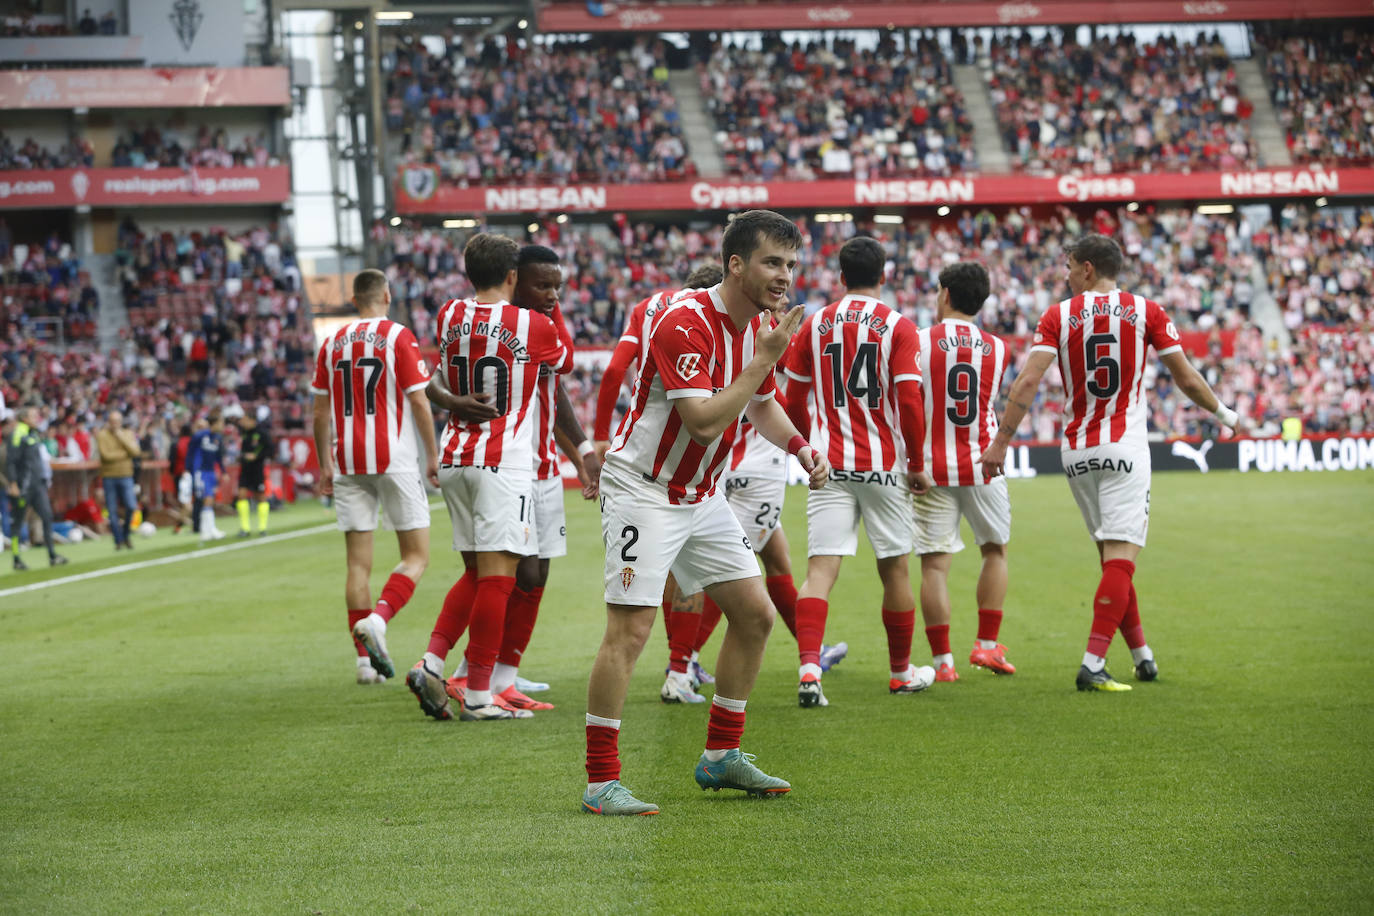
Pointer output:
796, 444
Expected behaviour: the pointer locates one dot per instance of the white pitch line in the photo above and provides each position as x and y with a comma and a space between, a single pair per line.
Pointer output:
163, 561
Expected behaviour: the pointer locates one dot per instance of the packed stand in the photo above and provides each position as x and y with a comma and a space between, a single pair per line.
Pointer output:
498, 112
221, 314
162, 147
44, 293
75, 153
1119, 106
1322, 84
806, 110
1320, 265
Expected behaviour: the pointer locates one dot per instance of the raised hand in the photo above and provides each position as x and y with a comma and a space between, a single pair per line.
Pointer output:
772, 340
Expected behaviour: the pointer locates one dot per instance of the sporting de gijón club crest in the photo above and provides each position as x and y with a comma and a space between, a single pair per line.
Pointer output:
186, 18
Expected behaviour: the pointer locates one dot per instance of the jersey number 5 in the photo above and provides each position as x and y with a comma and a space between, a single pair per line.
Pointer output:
862, 381
1098, 362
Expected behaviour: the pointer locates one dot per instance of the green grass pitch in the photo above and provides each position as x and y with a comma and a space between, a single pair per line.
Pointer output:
188, 738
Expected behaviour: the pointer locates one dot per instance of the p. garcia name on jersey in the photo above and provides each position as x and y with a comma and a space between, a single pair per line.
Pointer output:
1126, 313
874, 322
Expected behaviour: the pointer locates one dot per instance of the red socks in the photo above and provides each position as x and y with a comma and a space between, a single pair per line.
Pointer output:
354, 617
484, 633
938, 637
397, 591
811, 613
710, 616
454, 616
603, 753
724, 729
784, 595
1110, 604
682, 629
1131, 630
899, 625
521, 613
989, 624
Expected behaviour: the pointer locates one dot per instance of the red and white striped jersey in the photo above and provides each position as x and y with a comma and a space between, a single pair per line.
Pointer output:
962, 368
694, 350
856, 350
754, 456
641, 318
546, 405
499, 349
367, 367
1101, 340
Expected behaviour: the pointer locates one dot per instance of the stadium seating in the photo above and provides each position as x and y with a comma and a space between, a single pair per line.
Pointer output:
498, 113
802, 111
1322, 83
44, 285
1117, 105
161, 146
30, 155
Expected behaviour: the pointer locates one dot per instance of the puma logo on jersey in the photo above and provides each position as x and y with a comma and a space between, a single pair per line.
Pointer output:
1197, 456
685, 333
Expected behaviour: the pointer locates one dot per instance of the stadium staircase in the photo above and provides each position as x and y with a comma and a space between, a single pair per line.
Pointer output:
698, 128
1264, 123
114, 317
1265, 313
987, 139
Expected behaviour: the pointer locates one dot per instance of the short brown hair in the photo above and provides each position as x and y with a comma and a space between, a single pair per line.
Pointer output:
489, 258
704, 276
368, 285
1103, 253
968, 285
745, 231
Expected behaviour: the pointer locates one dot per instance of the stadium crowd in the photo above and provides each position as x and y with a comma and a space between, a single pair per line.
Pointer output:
1119, 105
495, 112
76, 152
41, 285
164, 147
803, 110
1322, 84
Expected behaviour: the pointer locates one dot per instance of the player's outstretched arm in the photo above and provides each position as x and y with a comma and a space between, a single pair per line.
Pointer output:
573, 441
1191, 383
1019, 401
469, 408
611, 381
424, 420
321, 422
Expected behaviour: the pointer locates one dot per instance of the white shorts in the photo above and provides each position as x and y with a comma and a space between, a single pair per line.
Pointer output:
1111, 484
880, 498
986, 507
550, 522
185, 488
646, 538
757, 504
491, 508
401, 497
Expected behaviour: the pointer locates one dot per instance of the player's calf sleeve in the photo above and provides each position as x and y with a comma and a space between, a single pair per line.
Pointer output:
264, 507
900, 626
989, 624
937, 636
784, 595
397, 591
710, 616
811, 614
242, 506
1131, 630
521, 614
1109, 604
484, 632
603, 749
725, 727
454, 615
353, 617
